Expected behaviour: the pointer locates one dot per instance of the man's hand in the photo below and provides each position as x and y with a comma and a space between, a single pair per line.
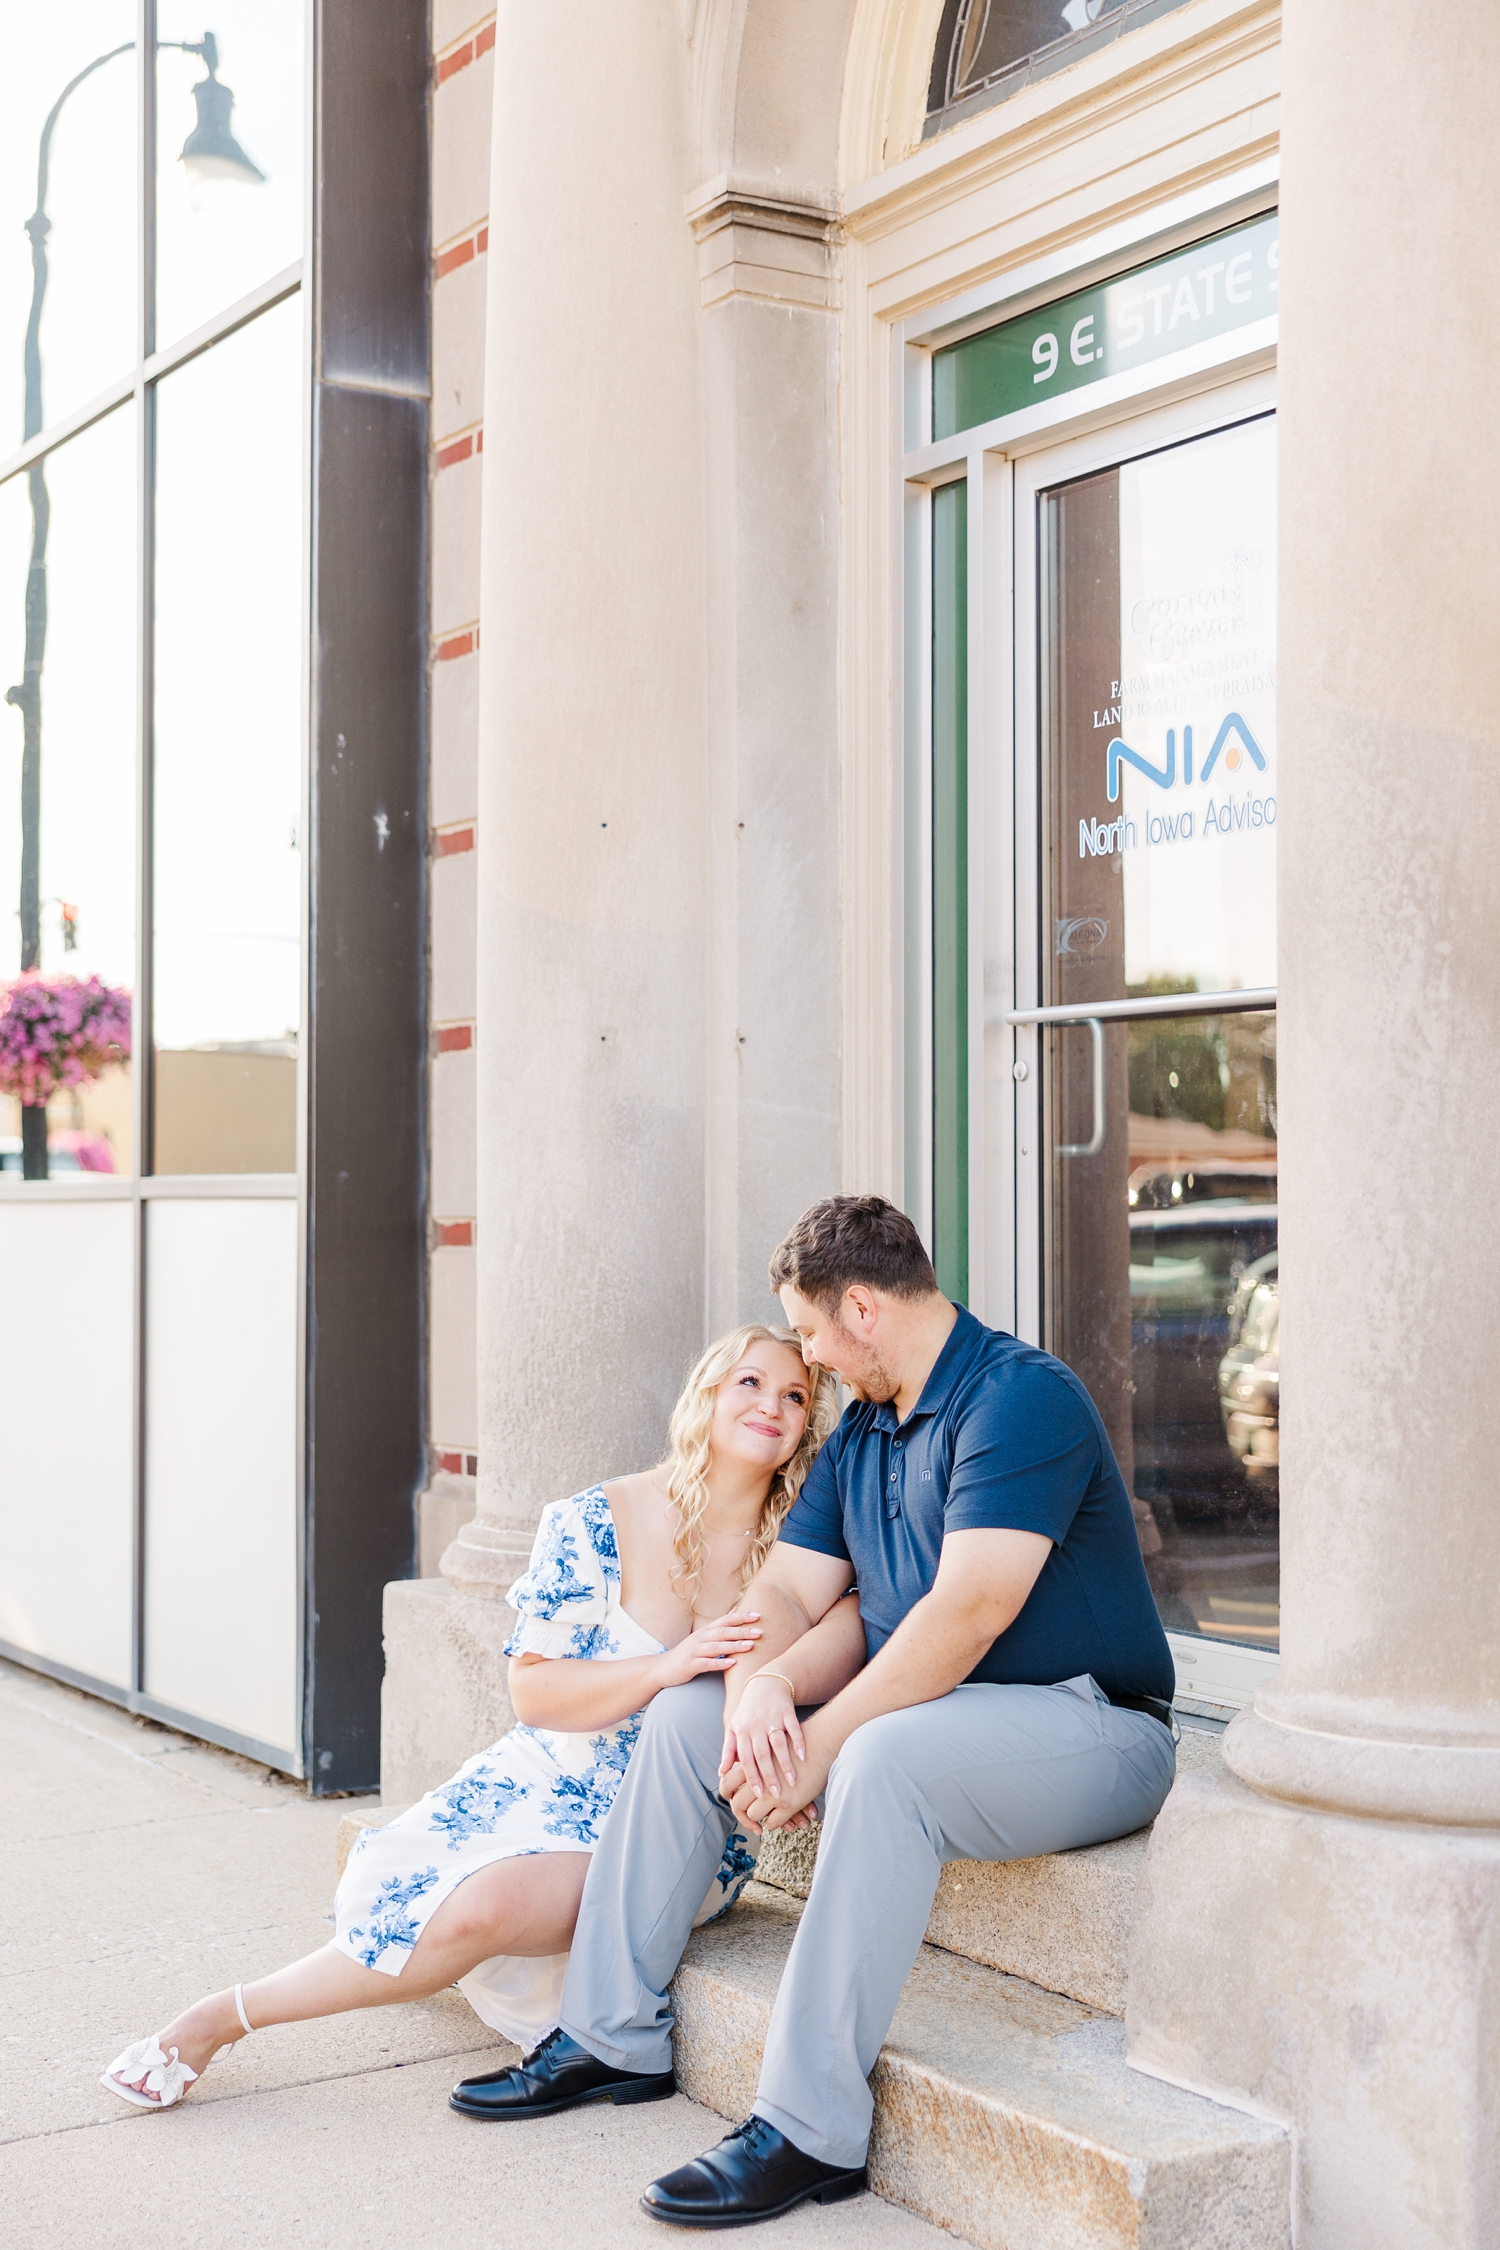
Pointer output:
752, 1806
983, 1580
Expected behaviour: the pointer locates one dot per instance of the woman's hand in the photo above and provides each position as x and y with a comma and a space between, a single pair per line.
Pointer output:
762, 1736
752, 1808
713, 1648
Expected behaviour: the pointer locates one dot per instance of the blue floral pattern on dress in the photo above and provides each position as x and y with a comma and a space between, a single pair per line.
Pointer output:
580, 1801
594, 1508
572, 1812
534, 1791
738, 1864
575, 1561
474, 1804
593, 1640
391, 1921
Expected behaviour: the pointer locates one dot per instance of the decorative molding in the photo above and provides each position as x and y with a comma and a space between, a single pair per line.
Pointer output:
1180, 54
752, 243
886, 74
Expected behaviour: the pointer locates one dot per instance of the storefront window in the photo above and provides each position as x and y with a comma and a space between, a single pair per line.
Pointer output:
220, 748
1158, 680
228, 753
69, 78
67, 829
230, 168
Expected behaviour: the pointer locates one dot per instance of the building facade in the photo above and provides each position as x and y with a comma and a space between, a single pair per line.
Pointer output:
933, 637
213, 520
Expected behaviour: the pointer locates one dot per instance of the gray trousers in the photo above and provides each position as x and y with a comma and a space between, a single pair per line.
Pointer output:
983, 1773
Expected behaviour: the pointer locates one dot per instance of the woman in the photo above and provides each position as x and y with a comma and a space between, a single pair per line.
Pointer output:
629, 1591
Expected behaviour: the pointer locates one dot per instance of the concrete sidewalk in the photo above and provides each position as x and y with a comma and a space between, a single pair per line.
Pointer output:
143, 1869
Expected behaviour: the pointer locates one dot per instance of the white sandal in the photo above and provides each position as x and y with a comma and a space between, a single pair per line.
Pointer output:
165, 2078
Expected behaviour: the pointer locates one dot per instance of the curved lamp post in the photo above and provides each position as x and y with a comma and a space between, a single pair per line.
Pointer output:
212, 152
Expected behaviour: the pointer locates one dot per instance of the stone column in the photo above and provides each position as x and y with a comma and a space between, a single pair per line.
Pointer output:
768, 277
590, 1235
1322, 1935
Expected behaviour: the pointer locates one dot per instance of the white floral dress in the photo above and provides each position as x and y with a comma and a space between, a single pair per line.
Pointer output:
532, 1791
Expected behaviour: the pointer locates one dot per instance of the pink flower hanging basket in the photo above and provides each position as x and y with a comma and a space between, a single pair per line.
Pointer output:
59, 1031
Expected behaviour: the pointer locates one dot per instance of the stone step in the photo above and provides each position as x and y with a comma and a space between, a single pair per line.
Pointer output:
1004, 2113
1063, 1922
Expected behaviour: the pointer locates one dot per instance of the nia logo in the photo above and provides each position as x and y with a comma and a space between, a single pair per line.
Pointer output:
1082, 935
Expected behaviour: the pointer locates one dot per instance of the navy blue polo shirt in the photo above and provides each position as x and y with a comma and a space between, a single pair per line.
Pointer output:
1003, 1438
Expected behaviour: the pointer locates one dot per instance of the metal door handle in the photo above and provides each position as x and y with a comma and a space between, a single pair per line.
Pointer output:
1092, 1146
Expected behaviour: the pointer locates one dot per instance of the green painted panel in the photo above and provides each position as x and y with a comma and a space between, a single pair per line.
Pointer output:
950, 888
1217, 286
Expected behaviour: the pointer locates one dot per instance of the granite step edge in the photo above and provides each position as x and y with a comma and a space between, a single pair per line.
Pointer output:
1004, 2114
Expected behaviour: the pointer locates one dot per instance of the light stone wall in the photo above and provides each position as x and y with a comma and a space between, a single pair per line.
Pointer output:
1323, 1933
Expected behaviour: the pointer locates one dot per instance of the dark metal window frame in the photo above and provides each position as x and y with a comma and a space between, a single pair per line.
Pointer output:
361, 1184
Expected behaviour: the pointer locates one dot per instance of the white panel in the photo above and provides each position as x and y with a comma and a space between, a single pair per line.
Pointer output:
221, 1463
65, 1458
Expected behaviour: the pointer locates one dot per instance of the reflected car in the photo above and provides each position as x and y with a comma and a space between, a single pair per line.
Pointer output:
1188, 1265
1250, 1372
1161, 1187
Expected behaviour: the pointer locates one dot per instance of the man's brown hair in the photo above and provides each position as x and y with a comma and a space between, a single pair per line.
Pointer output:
852, 1238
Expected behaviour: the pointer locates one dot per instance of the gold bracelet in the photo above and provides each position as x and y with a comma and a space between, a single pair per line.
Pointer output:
765, 1673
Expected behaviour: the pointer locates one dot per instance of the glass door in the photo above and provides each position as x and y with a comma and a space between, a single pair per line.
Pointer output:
1146, 969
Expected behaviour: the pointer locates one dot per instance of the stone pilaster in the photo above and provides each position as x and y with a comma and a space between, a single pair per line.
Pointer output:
769, 276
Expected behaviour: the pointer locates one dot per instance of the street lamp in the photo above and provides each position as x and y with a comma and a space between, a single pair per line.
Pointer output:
211, 152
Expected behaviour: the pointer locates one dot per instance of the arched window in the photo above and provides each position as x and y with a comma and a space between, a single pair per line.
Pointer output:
987, 49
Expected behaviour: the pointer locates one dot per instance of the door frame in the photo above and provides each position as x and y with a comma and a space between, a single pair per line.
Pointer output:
1006, 464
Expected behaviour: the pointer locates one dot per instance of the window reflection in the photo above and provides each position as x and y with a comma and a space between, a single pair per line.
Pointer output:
1162, 1272
228, 753
1165, 1298
1163, 581
87, 329
79, 918
229, 175
987, 45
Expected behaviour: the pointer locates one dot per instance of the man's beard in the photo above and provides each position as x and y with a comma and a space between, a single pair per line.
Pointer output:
865, 1372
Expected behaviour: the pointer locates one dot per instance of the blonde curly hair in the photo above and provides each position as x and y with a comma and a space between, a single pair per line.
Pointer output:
690, 1449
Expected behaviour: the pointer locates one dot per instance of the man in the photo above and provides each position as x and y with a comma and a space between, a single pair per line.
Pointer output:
1016, 1700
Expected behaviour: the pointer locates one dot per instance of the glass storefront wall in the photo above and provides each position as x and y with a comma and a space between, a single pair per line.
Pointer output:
200, 465
1158, 720
152, 624
229, 156
76, 825
226, 989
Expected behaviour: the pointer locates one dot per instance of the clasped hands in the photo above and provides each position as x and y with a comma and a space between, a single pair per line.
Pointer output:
769, 1773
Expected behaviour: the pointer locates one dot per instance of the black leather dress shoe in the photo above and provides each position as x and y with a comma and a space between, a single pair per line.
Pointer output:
754, 2173
557, 2075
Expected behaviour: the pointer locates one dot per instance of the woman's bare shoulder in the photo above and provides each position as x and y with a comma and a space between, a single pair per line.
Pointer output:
635, 1494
